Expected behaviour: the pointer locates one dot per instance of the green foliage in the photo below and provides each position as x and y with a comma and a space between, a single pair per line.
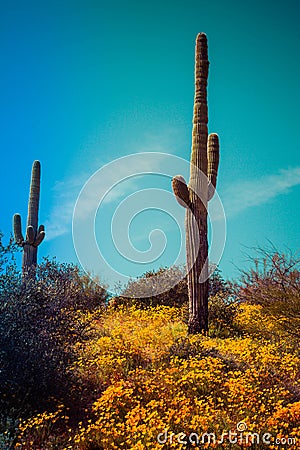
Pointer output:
165, 278
216, 282
176, 293
62, 351
184, 348
41, 322
274, 283
9, 274
222, 310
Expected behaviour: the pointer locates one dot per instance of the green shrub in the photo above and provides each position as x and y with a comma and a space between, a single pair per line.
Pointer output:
274, 283
41, 321
175, 292
222, 310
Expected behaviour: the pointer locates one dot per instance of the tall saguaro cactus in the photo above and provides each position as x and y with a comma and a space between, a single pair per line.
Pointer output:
195, 196
34, 233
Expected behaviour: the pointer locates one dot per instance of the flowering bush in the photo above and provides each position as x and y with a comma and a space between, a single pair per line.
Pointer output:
140, 381
274, 284
182, 384
148, 377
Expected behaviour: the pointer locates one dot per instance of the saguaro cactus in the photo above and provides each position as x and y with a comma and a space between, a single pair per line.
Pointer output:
195, 196
34, 233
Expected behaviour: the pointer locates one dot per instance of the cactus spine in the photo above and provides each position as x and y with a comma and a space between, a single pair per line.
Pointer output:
195, 196
34, 233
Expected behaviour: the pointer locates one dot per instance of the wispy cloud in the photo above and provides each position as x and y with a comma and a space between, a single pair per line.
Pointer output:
245, 194
236, 198
65, 194
110, 185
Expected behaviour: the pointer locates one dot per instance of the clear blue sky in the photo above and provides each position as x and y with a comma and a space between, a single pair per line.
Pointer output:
86, 82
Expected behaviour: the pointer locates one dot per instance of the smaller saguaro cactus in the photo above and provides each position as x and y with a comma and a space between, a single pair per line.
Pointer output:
34, 233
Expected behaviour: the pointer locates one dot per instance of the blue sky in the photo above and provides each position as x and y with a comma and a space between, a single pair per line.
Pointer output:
84, 83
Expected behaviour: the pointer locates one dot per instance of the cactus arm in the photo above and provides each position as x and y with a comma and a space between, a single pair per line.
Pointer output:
17, 227
41, 228
213, 163
40, 236
181, 191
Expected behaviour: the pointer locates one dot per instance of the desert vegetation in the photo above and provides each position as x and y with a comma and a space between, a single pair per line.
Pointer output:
195, 195
82, 371
206, 363
35, 233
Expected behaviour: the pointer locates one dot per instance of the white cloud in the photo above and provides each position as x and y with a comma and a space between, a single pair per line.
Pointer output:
65, 194
236, 198
249, 193
67, 191
110, 185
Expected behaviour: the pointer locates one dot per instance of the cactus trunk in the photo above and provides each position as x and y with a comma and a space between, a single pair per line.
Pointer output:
197, 263
29, 260
203, 177
34, 235
34, 197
